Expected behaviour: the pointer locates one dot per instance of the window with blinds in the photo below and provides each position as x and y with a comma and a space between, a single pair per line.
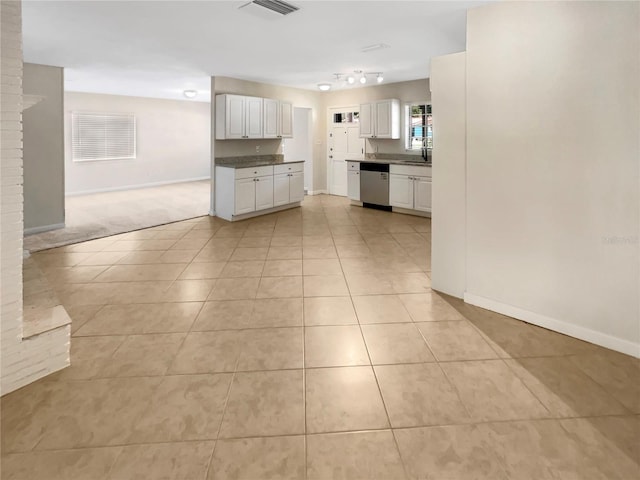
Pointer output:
103, 136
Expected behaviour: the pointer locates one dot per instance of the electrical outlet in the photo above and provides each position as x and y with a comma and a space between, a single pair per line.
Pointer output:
257, 148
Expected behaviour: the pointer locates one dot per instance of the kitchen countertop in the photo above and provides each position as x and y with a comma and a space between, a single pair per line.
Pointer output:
250, 163
387, 161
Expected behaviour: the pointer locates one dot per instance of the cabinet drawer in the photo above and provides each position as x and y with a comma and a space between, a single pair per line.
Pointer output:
353, 166
414, 170
254, 171
288, 168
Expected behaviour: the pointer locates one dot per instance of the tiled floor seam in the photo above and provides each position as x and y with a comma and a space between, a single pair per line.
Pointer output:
375, 376
224, 411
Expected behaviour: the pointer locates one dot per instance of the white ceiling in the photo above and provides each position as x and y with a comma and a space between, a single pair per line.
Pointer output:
160, 48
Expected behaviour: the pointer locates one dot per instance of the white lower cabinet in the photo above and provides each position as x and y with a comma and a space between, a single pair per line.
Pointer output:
400, 191
242, 191
288, 184
296, 187
422, 194
353, 180
264, 192
410, 187
280, 189
253, 194
245, 198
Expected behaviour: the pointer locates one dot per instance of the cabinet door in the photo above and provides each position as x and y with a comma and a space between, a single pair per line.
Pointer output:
422, 194
367, 120
296, 187
253, 117
383, 119
234, 116
264, 192
280, 189
400, 191
353, 184
245, 196
286, 120
271, 118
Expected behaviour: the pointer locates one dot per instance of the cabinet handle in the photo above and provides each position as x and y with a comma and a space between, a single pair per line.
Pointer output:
257, 179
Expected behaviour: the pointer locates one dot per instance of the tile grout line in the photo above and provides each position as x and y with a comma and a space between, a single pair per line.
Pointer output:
375, 376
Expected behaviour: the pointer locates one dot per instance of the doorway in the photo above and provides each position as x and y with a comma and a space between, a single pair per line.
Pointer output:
343, 143
300, 146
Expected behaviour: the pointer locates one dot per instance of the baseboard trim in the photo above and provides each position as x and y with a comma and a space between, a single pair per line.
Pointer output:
317, 192
134, 187
576, 331
43, 228
407, 211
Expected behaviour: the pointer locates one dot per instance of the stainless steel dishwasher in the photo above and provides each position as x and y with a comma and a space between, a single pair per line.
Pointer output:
374, 184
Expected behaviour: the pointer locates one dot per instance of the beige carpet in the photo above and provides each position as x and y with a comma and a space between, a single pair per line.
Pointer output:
104, 214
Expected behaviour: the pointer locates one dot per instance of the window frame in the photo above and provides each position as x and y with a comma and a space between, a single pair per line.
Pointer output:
407, 125
132, 128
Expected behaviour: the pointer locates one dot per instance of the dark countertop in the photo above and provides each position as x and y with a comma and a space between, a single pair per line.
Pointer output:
387, 161
252, 163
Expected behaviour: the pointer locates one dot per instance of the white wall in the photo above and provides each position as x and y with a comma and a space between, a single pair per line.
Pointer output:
173, 143
448, 229
553, 166
300, 147
21, 361
43, 128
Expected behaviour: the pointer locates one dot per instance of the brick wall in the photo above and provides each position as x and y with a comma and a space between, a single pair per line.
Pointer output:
21, 361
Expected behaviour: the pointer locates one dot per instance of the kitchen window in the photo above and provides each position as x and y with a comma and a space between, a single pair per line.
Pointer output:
103, 136
418, 126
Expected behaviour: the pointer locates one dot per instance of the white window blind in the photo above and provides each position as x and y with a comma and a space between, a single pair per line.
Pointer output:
103, 136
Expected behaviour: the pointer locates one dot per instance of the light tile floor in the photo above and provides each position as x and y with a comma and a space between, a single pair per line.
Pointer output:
307, 344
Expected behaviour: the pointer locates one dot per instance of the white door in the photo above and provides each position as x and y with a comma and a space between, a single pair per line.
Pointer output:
344, 143
264, 192
296, 187
234, 121
253, 117
286, 120
280, 189
383, 119
400, 191
270, 122
353, 184
422, 194
245, 196
367, 118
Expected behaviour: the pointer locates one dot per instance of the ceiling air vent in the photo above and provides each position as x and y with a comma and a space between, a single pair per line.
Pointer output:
277, 6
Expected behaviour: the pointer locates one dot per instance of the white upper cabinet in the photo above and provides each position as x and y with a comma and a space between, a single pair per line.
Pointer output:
233, 117
253, 117
271, 118
241, 117
278, 119
367, 119
286, 120
380, 119
238, 116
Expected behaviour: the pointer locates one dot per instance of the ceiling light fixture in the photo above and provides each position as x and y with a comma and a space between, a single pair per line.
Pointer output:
351, 78
190, 93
